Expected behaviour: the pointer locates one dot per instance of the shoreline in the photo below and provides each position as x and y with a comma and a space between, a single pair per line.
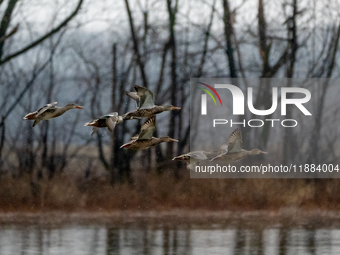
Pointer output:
178, 217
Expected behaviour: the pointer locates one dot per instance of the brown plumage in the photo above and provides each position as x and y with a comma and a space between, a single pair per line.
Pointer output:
50, 111
143, 113
194, 158
235, 151
110, 120
145, 104
145, 139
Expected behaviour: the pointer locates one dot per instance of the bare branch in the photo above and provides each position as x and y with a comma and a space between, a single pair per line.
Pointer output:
206, 40
44, 37
13, 31
136, 46
228, 32
5, 21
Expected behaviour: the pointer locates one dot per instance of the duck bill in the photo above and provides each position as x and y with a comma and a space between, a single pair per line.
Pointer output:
79, 107
173, 140
263, 152
176, 108
125, 146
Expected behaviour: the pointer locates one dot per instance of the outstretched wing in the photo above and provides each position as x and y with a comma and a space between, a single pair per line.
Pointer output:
134, 96
224, 147
111, 123
148, 128
135, 137
111, 120
146, 97
45, 108
198, 155
218, 156
235, 141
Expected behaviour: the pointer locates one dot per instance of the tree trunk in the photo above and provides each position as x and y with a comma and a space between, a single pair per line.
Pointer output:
314, 142
113, 171
2, 142
6, 19
140, 62
228, 33
173, 76
289, 142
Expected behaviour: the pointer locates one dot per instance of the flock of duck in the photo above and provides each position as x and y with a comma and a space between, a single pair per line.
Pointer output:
147, 109
229, 153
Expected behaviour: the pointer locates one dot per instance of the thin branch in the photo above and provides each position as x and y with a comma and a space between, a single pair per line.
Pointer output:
30, 83
22, 93
44, 37
5, 21
136, 46
206, 40
13, 31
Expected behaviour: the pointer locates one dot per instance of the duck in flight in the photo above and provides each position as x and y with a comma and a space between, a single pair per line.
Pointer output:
50, 111
109, 120
145, 139
145, 104
234, 151
230, 152
194, 158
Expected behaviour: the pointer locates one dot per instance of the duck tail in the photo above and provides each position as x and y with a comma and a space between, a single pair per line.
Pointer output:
91, 123
127, 145
29, 116
181, 157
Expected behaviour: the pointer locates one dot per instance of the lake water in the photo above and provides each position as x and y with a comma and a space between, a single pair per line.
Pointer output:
165, 238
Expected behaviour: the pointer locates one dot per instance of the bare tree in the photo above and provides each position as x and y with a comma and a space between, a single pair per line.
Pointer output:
289, 146
228, 33
4, 35
172, 11
330, 62
4, 26
140, 62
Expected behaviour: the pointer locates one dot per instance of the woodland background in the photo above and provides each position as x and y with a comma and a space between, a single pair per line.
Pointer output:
91, 52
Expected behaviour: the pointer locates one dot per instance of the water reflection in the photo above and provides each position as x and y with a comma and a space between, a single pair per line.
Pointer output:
168, 239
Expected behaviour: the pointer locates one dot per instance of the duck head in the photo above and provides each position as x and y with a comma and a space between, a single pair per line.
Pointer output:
256, 152
73, 106
168, 139
170, 108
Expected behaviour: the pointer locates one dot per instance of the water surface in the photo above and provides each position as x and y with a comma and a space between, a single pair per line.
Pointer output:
169, 238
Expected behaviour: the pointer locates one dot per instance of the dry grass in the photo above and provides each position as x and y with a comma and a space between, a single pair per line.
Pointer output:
154, 192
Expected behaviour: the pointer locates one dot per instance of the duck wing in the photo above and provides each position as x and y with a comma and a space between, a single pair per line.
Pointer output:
148, 128
135, 137
195, 157
198, 155
45, 108
212, 154
146, 97
218, 156
111, 120
235, 141
224, 147
134, 96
